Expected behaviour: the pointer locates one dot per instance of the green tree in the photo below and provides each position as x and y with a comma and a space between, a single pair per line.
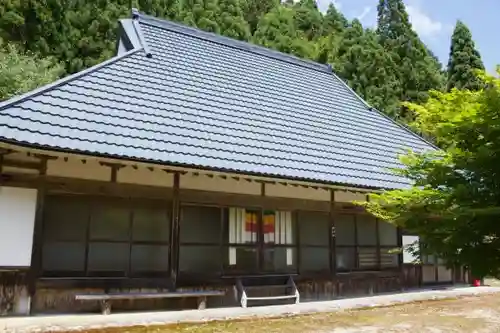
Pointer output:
368, 69
78, 33
454, 204
20, 72
327, 46
308, 19
334, 22
169, 9
277, 30
255, 9
417, 70
202, 14
464, 60
231, 20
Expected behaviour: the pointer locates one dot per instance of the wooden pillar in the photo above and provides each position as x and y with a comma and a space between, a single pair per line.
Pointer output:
36, 253
356, 243
174, 232
436, 269
333, 236
377, 243
400, 257
333, 243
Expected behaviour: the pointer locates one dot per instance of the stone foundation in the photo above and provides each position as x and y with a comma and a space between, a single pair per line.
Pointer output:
61, 299
14, 295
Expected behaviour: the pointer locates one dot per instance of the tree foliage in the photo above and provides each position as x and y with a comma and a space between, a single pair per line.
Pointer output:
455, 203
20, 72
416, 69
363, 62
202, 14
464, 60
334, 22
277, 30
231, 20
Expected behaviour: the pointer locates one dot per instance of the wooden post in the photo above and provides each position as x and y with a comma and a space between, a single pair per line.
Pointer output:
174, 233
37, 243
333, 243
379, 255
333, 238
356, 243
400, 258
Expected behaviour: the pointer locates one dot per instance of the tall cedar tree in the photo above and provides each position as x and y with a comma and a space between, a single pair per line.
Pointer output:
308, 19
334, 22
464, 60
417, 70
231, 20
364, 64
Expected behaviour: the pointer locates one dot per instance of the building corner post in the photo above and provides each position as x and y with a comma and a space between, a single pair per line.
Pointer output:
175, 232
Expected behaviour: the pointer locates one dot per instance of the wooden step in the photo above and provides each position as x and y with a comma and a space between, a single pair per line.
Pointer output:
268, 286
263, 298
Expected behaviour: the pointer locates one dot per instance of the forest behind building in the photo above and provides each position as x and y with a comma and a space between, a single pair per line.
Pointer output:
42, 40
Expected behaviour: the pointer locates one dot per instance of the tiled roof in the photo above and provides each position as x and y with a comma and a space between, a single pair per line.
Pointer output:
210, 102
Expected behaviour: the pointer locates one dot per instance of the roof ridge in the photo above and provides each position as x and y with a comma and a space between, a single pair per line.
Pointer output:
138, 31
229, 42
33, 93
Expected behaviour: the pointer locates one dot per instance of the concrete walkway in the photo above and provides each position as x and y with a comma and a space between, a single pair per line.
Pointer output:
78, 322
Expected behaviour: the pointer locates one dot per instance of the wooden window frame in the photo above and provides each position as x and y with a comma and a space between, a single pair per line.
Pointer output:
377, 246
88, 240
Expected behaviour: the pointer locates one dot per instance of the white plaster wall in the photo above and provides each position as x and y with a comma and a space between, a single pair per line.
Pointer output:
408, 257
74, 168
17, 221
444, 274
219, 184
428, 273
144, 176
297, 192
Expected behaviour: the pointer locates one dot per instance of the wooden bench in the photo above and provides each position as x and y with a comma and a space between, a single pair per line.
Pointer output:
106, 298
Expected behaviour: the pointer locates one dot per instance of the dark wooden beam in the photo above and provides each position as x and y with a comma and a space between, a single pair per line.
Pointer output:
356, 243
333, 235
175, 232
22, 164
36, 254
377, 240
56, 184
245, 200
44, 157
400, 255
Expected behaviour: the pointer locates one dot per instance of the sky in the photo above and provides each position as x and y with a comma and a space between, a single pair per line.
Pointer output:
434, 21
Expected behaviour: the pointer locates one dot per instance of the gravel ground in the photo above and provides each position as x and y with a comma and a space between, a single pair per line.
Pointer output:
415, 312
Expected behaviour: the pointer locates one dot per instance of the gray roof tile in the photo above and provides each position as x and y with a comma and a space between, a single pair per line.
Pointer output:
211, 102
